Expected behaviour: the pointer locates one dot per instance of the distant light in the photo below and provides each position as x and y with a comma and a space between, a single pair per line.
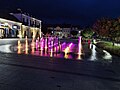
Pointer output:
15, 27
6, 24
11, 13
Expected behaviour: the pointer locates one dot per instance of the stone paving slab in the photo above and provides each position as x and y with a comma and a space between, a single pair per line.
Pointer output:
73, 67
26, 72
29, 79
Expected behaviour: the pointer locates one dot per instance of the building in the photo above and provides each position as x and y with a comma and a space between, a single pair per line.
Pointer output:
19, 25
9, 26
62, 30
31, 27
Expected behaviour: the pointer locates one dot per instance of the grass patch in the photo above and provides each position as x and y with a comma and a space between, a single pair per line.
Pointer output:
108, 46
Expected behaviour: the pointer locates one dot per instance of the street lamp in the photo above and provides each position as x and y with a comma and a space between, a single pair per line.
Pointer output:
52, 33
79, 32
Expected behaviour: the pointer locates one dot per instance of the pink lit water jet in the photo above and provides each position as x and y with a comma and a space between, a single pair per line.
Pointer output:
26, 45
33, 46
51, 51
79, 48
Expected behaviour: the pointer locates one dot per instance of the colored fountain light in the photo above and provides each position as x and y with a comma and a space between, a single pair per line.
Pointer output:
46, 48
33, 46
46, 43
37, 45
51, 51
42, 43
79, 48
67, 50
70, 46
19, 47
41, 46
26, 45
63, 46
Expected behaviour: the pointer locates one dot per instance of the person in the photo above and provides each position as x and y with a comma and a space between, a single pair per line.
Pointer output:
89, 41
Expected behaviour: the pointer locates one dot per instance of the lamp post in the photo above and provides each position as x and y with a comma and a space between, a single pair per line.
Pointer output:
52, 32
79, 33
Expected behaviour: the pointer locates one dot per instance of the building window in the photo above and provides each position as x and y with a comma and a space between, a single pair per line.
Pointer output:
27, 21
30, 21
23, 19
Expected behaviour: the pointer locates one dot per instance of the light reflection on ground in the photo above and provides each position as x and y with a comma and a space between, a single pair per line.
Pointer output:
6, 48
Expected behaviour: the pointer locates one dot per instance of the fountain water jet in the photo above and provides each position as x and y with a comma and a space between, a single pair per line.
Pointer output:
26, 45
79, 48
33, 46
19, 47
67, 50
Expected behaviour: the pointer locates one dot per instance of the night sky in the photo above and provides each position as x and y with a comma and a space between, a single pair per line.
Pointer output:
80, 12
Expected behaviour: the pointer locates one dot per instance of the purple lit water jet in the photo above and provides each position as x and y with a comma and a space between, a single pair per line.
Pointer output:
79, 48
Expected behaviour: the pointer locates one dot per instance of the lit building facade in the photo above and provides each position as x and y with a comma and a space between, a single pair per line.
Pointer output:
9, 28
19, 25
62, 30
31, 27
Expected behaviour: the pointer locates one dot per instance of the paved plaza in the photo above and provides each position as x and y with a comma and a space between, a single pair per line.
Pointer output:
27, 72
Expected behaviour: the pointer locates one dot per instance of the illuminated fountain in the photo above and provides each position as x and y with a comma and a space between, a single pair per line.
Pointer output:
53, 47
33, 46
37, 44
19, 47
41, 46
79, 48
56, 44
46, 46
51, 50
26, 45
67, 50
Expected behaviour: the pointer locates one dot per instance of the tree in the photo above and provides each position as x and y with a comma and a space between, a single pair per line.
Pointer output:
108, 28
74, 33
87, 33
